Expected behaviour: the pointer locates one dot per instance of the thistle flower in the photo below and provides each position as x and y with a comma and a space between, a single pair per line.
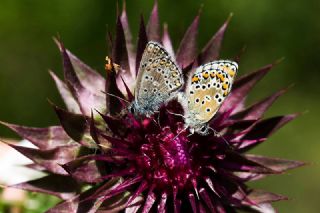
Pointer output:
101, 158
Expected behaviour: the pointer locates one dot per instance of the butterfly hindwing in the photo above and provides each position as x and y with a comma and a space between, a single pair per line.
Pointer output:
207, 89
158, 79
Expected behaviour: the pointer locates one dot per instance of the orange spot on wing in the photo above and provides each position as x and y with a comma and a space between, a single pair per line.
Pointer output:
231, 72
228, 70
225, 86
205, 75
220, 76
195, 79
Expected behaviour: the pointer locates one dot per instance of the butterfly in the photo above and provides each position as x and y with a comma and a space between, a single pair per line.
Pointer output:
159, 79
205, 92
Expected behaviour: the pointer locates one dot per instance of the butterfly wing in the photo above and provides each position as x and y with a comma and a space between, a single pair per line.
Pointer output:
207, 89
158, 79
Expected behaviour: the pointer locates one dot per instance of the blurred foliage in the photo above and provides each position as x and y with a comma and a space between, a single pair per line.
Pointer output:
33, 203
270, 29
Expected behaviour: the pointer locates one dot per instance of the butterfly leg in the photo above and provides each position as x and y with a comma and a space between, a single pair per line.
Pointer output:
219, 135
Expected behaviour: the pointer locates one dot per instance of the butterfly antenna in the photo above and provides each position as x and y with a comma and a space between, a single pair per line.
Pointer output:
158, 119
216, 133
117, 97
104, 146
176, 114
190, 135
156, 122
180, 133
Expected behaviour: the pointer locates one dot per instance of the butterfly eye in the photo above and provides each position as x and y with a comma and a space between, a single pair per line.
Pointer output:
131, 110
203, 129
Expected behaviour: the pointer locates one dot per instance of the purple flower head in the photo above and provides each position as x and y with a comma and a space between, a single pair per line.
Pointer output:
102, 158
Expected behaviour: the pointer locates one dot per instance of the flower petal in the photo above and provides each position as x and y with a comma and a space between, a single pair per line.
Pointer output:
51, 159
95, 133
241, 88
187, 50
81, 167
150, 200
61, 186
166, 41
75, 126
162, 203
264, 129
70, 102
119, 49
212, 49
192, 201
88, 77
142, 187
86, 99
260, 196
153, 27
135, 206
142, 43
206, 198
128, 38
120, 56
257, 110
84, 203
114, 124
277, 164
129, 93
249, 176
235, 162
44, 138
263, 208
76, 205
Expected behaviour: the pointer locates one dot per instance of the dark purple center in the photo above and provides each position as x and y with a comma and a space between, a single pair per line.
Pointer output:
165, 159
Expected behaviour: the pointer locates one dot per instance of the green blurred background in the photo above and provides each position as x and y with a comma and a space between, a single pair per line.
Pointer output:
270, 29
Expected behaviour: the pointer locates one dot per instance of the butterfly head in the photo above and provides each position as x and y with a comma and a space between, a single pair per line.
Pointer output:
196, 126
138, 111
202, 130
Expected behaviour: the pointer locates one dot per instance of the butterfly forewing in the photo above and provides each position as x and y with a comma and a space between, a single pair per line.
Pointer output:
158, 79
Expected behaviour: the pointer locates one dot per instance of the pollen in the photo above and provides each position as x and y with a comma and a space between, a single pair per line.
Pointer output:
109, 67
